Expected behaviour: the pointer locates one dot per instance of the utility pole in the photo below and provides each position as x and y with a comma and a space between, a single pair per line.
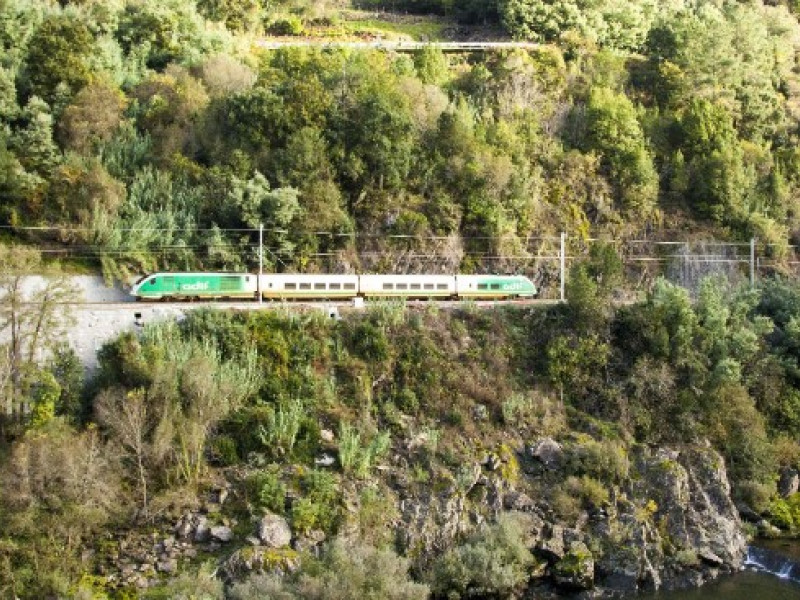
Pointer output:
752, 262
563, 263
260, 260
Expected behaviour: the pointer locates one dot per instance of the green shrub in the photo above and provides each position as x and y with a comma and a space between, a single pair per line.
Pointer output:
267, 491
345, 571
202, 585
291, 25
566, 504
357, 457
755, 494
606, 460
223, 450
260, 587
687, 558
377, 514
283, 425
319, 508
494, 562
785, 512
407, 401
593, 492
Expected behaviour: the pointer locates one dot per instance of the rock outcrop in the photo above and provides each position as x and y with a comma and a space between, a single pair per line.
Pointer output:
670, 522
683, 526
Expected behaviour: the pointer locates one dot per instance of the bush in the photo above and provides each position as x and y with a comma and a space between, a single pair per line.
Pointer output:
223, 450
267, 491
202, 585
345, 571
283, 425
356, 457
785, 512
755, 494
291, 25
606, 460
494, 561
319, 507
593, 492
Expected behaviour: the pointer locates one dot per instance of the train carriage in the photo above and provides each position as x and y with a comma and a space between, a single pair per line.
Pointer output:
494, 286
407, 286
299, 286
178, 286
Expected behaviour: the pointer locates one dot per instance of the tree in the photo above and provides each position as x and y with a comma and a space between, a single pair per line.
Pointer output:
276, 209
60, 489
178, 391
12, 181
223, 75
716, 180
166, 31
33, 317
58, 53
614, 131
621, 24
9, 109
33, 142
238, 15
91, 118
83, 194
132, 422
170, 104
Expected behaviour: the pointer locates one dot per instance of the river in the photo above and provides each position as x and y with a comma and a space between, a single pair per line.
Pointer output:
773, 574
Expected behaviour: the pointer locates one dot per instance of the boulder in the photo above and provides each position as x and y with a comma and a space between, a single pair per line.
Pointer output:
518, 501
167, 565
552, 547
184, 527
324, 460
277, 561
202, 532
221, 533
789, 482
274, 531
549, 452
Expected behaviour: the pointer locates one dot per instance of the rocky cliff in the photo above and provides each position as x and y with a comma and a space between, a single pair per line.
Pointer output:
666, 522
669, 522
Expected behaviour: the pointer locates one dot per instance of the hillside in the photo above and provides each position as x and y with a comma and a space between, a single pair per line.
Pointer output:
143, 135
629, 439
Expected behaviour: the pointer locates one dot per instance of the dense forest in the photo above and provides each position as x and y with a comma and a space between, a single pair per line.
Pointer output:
155, 134
395, 453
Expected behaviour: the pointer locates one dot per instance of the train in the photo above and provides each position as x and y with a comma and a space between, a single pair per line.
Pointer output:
283, 286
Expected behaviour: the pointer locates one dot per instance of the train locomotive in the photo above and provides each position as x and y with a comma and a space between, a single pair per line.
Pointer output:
282, 286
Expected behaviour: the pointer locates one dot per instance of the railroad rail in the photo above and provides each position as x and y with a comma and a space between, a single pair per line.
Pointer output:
289, 304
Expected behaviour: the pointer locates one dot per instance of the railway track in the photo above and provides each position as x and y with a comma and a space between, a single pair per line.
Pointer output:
299, 304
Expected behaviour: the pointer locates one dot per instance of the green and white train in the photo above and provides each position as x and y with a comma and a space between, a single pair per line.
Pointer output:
210, 286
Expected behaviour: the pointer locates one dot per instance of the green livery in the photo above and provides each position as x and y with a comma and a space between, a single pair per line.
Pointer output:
158, 286
495, 286
196, 285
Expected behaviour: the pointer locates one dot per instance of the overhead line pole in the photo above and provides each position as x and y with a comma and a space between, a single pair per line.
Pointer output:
260, 260
563, 262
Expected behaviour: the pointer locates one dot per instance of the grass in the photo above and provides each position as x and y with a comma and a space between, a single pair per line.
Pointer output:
355, 25
417, 30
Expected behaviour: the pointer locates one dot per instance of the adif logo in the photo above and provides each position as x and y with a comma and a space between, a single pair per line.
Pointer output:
200, 286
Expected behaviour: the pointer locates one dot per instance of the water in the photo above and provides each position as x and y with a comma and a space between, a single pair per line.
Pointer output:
773, 573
